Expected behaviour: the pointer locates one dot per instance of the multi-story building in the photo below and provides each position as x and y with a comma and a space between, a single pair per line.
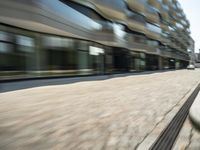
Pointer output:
197, 57
191, 51
81, 37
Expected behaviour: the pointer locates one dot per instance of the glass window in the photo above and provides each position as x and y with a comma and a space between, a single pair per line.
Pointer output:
3, 36
5, 47
25, 44
74, 16
67, 43
154, 28
83, 45
96, 51
179, 25
52, 42
171, 29
25, 41
136, 16
119, 30
58, 42
144, 2
152, 42
183, 22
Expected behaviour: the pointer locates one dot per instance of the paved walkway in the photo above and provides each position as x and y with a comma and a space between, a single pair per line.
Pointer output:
195, 111
114, 114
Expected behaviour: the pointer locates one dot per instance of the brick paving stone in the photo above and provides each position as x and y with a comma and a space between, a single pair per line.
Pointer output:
117, 113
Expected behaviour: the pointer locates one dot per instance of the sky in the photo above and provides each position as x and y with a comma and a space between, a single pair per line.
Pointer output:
192, 12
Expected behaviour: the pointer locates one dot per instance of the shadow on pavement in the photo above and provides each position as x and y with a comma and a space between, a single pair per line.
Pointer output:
18, 84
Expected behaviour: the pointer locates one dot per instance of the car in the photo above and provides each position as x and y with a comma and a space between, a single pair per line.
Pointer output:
190, 67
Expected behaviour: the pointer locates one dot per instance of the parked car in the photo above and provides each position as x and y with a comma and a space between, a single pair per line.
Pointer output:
190, 67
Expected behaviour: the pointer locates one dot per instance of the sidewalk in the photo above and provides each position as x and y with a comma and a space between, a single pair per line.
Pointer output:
118, 113
195, 111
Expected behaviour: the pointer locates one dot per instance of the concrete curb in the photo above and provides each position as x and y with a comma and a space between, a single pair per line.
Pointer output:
194, 112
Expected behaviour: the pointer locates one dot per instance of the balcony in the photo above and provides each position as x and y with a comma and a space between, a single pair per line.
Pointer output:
136, 5
164, 15
140, 39
153, 35
153, 31
137, 42
113, 10
152, 18
164, 6
153, 45
155, 4
136, 26
177, 18
164, 27
187, 24
166, 2
164, 40
152, 15
178, 37
172, 22
172, 9
184, 23
105, 26
136, 22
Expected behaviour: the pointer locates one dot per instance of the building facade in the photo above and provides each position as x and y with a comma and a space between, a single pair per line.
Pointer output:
191, 51
197, 57
40, 38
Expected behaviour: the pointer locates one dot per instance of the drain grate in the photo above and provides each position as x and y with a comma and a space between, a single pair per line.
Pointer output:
167, 138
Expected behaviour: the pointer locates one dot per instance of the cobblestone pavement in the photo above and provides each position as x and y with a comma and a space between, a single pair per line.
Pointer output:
116, 114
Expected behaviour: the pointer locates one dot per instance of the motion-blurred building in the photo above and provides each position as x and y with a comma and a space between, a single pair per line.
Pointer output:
40, 38
197, 57
197, 60
191, 51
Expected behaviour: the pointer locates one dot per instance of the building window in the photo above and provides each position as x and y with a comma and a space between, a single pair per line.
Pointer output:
152, 42
119, 30
58, 42
154, 28
6, 42
6, 47
25, 44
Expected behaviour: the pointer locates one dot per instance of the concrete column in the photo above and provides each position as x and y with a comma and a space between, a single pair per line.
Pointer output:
137, 64
40, 55
33, 59
160, 63
83, 63
177, 64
